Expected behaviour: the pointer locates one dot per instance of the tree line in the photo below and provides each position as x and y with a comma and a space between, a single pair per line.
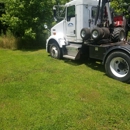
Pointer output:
26, 18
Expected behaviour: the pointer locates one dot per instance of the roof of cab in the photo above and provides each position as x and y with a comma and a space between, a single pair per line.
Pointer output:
80, 2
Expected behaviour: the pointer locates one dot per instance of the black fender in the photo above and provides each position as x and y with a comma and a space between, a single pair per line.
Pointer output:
123, 48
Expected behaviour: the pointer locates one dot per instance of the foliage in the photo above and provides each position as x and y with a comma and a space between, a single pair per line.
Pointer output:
26, 18
9, 41
121, 6
61, 1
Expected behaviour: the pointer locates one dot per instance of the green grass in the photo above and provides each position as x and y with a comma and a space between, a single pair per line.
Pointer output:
38, 92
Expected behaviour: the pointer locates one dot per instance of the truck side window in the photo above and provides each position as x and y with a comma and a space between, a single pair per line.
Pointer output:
70, 12
94, 12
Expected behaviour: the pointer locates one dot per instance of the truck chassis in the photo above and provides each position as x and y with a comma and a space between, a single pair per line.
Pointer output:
114, 56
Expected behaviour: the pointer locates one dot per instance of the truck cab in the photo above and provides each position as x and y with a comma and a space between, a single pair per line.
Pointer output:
78, 14
88, 29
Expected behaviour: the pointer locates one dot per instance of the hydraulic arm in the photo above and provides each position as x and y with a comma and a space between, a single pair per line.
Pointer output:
105, 8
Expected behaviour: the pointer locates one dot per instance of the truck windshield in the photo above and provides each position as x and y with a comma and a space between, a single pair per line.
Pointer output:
94, 12
60, 12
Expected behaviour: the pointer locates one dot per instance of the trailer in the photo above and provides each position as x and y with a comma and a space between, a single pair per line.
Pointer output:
89, 28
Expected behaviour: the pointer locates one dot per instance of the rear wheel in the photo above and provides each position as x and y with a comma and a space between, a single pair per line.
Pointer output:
55, 51
97, 34
118, 66
118, 34
85, 33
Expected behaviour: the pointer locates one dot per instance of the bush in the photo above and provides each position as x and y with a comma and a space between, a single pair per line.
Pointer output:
9, 41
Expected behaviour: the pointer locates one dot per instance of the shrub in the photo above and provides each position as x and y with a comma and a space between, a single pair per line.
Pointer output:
9, 41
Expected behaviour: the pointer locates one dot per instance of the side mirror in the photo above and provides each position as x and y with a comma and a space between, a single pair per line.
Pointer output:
54, 13
45, 26
48, 31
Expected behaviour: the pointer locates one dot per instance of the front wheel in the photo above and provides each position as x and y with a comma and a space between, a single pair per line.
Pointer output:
55, 51
118, 66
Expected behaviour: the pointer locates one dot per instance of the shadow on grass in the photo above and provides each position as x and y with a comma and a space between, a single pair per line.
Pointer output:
31, 48
92, 63
31, 44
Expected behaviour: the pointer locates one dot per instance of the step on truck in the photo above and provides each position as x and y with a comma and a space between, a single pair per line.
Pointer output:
90, 28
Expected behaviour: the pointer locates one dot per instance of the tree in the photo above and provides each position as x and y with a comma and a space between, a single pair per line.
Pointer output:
25, 18
121, 6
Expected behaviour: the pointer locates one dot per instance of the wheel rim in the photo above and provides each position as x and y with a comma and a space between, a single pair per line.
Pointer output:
122, 36
54, 52
95, 34
83, 34
119, 67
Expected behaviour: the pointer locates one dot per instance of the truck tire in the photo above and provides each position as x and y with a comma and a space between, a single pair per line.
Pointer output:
117, 66
97, 34
85, 33
55, 51
106, 33
118, 34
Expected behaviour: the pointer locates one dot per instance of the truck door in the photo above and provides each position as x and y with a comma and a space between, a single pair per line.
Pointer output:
92, 16
70, 23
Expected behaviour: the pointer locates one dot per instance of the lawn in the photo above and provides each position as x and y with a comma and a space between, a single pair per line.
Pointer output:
38, 92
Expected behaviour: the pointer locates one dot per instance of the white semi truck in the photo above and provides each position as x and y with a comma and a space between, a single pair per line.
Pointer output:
90, 28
